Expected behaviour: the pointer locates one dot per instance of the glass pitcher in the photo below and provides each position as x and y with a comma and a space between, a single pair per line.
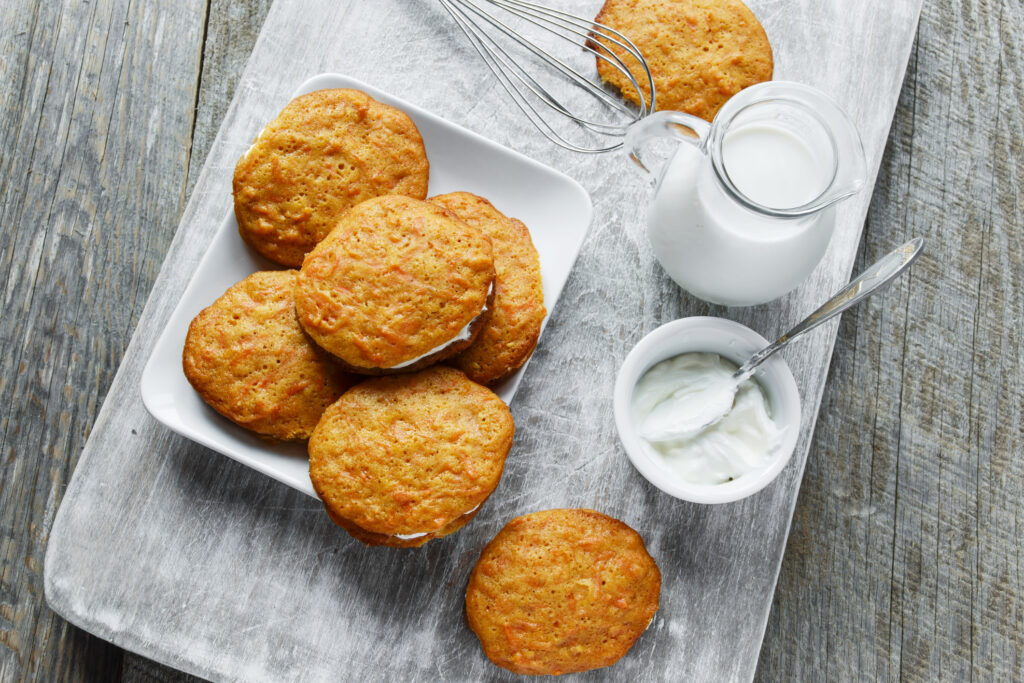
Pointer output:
744, 209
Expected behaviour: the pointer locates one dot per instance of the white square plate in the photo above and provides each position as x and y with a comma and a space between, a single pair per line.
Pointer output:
554, 206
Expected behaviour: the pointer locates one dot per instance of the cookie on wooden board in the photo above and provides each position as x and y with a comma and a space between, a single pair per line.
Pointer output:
700, 52
562, 591
403, 459
249, 359
511, 332
399, 284
324, 153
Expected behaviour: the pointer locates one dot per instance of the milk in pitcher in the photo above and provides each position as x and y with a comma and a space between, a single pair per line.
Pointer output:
744, 209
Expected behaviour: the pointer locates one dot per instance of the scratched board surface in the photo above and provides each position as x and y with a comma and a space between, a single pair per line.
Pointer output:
180, 554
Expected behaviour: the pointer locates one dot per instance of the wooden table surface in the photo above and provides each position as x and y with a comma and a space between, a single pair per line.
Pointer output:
904, 558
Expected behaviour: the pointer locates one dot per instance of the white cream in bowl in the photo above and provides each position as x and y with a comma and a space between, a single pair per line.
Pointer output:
670, 414
712, 470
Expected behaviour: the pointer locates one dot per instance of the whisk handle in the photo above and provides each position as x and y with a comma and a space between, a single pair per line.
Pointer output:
664, 124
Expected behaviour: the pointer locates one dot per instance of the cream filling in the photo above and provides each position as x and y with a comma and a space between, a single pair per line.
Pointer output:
406, 537
464, 334
259, 135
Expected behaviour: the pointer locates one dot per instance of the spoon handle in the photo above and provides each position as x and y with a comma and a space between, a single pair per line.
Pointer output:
872, 280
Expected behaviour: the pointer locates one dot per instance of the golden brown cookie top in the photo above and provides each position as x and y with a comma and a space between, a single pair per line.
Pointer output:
397, 278
700, 52
408, 454
324, 153
561, 591
251, 362
511, 332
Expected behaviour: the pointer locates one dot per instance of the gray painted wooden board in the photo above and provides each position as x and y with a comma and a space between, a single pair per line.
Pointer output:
175, 552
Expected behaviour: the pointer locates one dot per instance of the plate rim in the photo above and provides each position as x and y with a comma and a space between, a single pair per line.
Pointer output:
170, 418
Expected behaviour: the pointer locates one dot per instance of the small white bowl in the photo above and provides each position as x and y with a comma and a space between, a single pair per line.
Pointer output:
735, 343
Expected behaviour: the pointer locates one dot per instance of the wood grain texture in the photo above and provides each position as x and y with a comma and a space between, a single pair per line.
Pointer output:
265, 565
231, 31
92, 176
904, 558
864, 588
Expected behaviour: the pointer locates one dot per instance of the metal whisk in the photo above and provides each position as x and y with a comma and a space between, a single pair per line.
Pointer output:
497, 30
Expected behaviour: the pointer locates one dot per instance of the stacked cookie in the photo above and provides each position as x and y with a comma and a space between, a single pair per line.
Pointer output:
403, 459
325, 152
376, 346
252, 362
510, 334
398, 285
388, 284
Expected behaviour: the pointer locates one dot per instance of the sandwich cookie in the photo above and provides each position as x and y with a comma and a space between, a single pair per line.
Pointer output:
404, 459
324, 153
700, 52
249, 359
510, 334
399, 284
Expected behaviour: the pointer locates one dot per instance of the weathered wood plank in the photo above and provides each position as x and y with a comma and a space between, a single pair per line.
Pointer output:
613, 297
840, 646
138, 669
904, 559
996, 415
231, 31
95, 120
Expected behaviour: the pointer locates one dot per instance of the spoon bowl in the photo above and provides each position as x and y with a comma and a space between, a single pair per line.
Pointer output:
735, 343
718, 399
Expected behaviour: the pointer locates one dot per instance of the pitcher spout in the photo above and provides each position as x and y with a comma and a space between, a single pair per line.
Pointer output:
851, 163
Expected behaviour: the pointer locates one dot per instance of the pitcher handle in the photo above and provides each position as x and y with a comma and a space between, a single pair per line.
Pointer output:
665, 124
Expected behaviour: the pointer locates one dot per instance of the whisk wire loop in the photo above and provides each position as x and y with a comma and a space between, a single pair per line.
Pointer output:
575, 76
502, 70
485, 30
591, 31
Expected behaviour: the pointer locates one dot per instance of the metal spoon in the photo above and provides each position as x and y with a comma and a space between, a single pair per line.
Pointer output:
719, 398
